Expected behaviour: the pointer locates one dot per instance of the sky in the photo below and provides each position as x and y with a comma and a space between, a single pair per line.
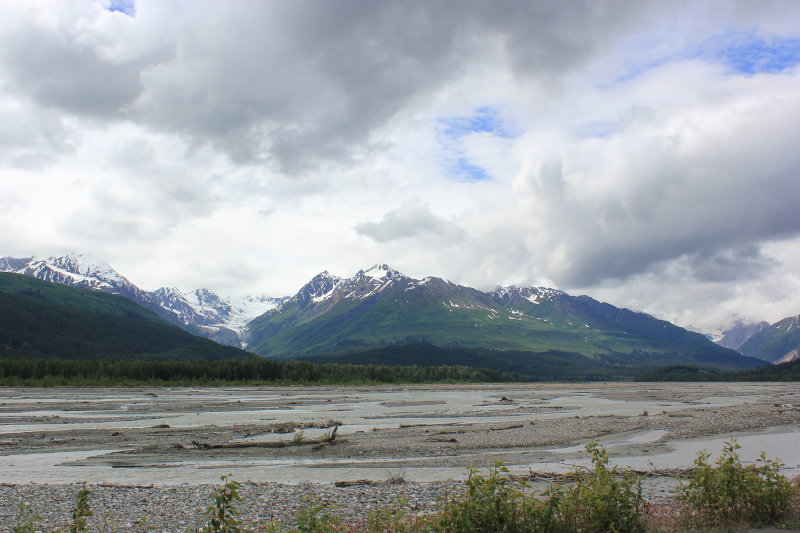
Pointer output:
644, 153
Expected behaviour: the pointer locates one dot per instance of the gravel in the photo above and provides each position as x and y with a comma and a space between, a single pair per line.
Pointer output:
178, 507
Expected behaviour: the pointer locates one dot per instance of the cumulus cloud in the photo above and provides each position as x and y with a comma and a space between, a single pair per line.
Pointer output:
697, 181
286, 83
61, 59
414, 220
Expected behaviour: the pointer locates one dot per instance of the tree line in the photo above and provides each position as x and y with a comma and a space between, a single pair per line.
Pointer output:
105, 372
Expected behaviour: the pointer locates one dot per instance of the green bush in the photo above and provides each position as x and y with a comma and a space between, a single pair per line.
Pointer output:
222, 513
728, 492
25, 520
493, 503
601, 500
81, 512
316, 518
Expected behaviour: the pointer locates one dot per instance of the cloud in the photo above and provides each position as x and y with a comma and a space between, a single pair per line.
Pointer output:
695, 181
287, 84
64, 61
411, 221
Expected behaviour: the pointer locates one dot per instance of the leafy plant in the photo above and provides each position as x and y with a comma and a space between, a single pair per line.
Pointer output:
222, 513
728, 492
392, 519
25, 520
316, 518
493, 503
81, 511
601, 500
298, 437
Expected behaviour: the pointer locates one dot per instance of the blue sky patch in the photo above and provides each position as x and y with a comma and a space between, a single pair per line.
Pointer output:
483, 120
742, 52
461, 169
123, 6
755, 55
452, 130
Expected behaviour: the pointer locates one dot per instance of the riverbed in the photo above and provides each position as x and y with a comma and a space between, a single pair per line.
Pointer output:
182, 439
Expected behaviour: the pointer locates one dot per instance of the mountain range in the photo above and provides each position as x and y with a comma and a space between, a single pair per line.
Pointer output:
380, 307
202, 311
49, 320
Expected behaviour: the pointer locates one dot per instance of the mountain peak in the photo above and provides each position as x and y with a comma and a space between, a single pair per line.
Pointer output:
82, 264
319, 287
167, 292
380, 271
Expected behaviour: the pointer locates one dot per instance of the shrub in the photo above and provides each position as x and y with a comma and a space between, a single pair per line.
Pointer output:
81, 511
316, 518
392, 519
493, 503
25, 520
222, 513
601, 500
729, 492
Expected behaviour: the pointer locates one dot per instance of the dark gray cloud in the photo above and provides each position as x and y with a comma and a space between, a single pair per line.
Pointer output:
60, 67
304, 82
712, 185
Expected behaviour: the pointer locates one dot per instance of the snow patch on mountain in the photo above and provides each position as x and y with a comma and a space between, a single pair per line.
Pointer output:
205, 308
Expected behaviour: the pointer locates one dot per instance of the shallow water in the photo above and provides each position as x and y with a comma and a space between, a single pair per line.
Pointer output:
362, 410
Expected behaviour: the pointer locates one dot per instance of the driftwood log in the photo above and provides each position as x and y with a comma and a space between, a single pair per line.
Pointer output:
356, 483
572, 476
503, 428
327, 439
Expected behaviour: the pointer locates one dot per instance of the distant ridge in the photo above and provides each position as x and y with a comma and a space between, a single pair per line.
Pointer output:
776, 343
380, 307
202, 311
44, 319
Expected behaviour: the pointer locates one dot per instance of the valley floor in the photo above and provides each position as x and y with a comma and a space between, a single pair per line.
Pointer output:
151, 451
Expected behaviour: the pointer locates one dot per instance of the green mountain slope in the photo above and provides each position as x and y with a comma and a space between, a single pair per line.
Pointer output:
381, 307
56, 294
779, 342
42, 319
542, 366
780, 372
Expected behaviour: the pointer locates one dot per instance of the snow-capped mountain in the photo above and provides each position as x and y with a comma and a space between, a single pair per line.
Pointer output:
201, 311
776, 343
220, 318
78, 270
534, 295
380, 306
